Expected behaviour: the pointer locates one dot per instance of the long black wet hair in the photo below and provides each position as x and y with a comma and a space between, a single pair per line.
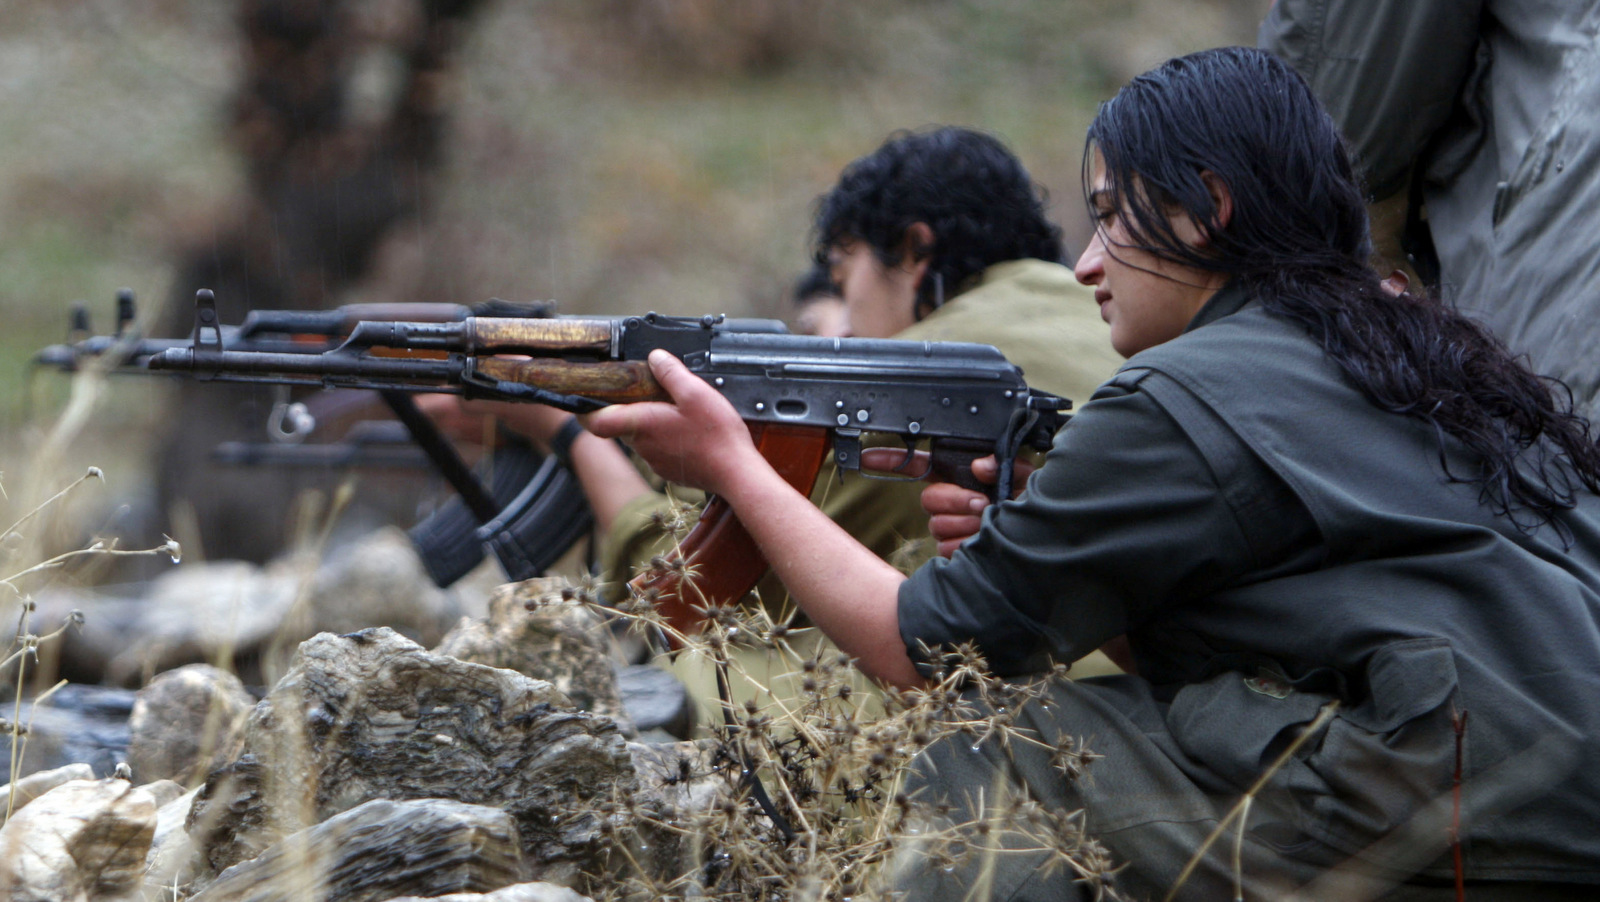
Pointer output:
974, 194
1298, 240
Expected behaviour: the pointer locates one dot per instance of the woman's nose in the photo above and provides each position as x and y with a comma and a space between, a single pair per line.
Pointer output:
1090, 267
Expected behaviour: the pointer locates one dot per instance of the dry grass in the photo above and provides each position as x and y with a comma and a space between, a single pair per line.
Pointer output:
822, 770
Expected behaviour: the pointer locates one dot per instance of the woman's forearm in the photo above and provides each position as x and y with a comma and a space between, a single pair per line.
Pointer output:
844, 588
851, 594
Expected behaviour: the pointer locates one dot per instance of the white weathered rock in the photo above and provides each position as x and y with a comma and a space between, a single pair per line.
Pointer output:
372, 715
186, 722
83, 840
171, 858
521, 892
380, 850
164, 791
15, 795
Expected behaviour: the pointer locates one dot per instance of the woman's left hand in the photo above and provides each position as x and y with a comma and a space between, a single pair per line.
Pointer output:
956, 513
698, 440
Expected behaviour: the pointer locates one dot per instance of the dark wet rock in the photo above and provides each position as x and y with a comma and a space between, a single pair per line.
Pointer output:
76, 724
379, 850
656, 700
372, 715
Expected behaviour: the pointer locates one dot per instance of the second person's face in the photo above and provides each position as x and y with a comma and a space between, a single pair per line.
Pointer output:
1146, 300
879, 300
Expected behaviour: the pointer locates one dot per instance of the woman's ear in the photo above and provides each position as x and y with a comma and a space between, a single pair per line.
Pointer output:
1221, 200
1189, 229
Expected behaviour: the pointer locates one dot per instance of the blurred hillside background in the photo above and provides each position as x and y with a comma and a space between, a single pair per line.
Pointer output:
616, 156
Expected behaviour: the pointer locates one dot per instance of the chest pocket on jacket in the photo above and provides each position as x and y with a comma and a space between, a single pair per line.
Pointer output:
1379, 762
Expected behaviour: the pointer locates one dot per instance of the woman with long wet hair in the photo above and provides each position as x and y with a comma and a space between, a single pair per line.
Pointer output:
1304, 494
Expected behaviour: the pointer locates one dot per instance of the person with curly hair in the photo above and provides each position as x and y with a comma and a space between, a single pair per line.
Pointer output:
1306, 500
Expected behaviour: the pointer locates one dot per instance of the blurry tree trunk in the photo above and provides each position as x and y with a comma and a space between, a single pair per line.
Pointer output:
339, 117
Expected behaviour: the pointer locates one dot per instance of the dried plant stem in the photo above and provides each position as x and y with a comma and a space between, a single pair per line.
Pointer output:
93, 473
170, 549
1243, 806
1238, 851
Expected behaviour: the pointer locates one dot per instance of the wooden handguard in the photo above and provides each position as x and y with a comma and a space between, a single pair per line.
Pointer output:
621, 382
721, 562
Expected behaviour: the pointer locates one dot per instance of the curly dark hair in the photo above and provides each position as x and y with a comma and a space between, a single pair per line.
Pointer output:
1298, 239
974, 194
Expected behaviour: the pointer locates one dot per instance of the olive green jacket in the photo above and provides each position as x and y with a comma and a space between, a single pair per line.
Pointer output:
1270, 541
1035, 312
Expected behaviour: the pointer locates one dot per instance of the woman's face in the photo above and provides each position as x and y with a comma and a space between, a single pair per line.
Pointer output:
1146, 300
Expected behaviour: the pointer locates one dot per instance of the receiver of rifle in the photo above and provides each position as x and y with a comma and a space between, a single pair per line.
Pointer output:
800, 395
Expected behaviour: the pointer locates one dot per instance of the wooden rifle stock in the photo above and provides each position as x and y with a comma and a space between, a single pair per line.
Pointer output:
620, 382
718, 562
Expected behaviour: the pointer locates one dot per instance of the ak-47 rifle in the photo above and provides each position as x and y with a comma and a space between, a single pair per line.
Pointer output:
528, 515
800, 395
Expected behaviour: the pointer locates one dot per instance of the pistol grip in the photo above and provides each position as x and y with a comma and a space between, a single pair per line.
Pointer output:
950, 460
721, 562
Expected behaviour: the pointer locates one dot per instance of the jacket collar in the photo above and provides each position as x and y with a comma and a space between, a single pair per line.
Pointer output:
1229, 299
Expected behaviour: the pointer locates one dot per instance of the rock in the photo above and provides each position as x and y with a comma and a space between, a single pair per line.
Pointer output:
378, 580
656, 700
85, 839
164, 791
531, 629
15, 795
76, 724
186, 722
232, 611
170, 861
381, 849
520, 892
373, 715
206, 611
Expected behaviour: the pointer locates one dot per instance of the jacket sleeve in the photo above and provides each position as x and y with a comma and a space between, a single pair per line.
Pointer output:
1389, 71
